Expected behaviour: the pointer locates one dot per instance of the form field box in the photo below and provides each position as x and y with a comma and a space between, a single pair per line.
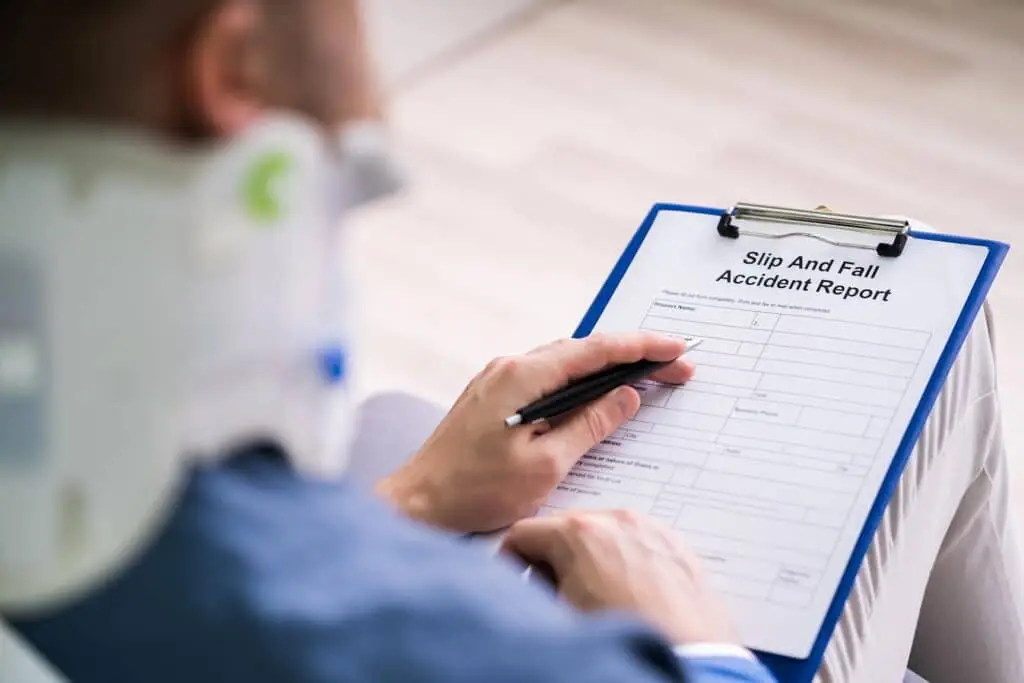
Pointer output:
761, 549
636, 426
741, 567
803, 437
667, 516
700, 386
818, 402
727, 441
680, 418
785, 513
651, 470
691, 329
663, 439
765, 411
611, 482
877, 427
853, 348
751, 487
855, 470
713, 501
798, 577
836, 391
766, 321
739, 587
830, 518
787, 474
573, 497
749, 527
837, 457
722, 346
833, 421
685, 476
833, 359
702, 314
698, 402
788, 459
684, 492
650, 451
791, 595
859, 332
706, 358
750, 350
730, 377
863, 378
699, 438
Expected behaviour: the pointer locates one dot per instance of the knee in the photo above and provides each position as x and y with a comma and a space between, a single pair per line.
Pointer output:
397, 404
399, 415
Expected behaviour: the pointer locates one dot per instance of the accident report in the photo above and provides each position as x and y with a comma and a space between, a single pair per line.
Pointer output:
815, 359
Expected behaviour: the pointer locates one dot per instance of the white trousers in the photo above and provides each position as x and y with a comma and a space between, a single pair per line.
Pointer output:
941, 589
942, 585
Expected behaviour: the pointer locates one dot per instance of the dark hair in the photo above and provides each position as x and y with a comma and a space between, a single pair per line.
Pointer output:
66, 56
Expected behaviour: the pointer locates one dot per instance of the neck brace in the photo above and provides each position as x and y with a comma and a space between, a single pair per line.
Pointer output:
156, 305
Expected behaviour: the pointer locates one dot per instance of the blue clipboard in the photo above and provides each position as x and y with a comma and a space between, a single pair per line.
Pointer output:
785, 669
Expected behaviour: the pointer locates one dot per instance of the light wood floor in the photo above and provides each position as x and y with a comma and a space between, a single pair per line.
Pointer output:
409, 36
535, 155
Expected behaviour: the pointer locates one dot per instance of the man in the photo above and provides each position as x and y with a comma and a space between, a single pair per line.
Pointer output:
240, 563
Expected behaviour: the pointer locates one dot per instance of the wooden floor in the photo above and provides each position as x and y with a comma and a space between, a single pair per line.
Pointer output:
410, 36
535, 154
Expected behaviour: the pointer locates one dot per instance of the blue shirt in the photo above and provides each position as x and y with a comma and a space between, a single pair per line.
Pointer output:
262, 576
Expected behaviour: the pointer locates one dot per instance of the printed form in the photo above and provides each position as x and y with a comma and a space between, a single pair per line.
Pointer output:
814, 361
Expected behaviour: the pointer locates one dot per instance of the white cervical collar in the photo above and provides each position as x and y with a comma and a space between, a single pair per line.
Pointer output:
155, 305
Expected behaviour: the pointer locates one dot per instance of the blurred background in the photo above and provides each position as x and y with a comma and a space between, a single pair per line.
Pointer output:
538, 133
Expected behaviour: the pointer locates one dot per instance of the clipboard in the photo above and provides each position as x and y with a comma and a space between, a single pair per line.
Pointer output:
894, 236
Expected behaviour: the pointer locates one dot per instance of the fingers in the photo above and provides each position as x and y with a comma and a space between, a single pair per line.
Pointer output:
679, 372
569, 359
589, 426
539, 540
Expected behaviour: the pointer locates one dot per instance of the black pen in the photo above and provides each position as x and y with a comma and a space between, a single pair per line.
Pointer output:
587, 389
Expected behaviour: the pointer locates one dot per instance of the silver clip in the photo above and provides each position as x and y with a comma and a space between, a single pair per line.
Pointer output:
895, 230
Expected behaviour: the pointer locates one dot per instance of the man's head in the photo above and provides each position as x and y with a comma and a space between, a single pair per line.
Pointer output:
162, 304
196, 68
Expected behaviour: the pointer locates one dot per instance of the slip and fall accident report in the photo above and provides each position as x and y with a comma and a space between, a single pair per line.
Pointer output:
768, 461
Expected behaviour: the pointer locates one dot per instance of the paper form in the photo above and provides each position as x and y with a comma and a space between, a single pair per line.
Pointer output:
769, 460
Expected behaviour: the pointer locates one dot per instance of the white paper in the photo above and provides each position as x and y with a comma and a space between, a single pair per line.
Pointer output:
769, 460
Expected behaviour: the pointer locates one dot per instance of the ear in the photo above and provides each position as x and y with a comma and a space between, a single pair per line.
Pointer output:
223, 77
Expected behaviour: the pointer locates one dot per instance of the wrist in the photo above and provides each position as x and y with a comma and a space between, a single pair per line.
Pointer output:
410, 494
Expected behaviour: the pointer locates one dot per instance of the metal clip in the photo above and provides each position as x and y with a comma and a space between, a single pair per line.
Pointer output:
895, 230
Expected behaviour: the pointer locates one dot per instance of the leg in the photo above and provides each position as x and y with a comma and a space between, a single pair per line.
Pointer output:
943, 552
976, 586
389, 429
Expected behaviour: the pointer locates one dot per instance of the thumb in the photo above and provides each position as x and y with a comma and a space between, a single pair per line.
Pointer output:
591, 425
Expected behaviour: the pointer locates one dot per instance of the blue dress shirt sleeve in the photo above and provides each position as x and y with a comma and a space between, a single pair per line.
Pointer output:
264, 577
722, 663
261, 576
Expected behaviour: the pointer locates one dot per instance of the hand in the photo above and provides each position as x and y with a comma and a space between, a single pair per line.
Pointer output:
474, 474
622, 561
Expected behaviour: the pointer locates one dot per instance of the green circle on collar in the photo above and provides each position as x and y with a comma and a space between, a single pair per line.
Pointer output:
263, 186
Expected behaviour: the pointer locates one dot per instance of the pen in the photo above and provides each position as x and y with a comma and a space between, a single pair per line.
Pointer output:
587, 389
